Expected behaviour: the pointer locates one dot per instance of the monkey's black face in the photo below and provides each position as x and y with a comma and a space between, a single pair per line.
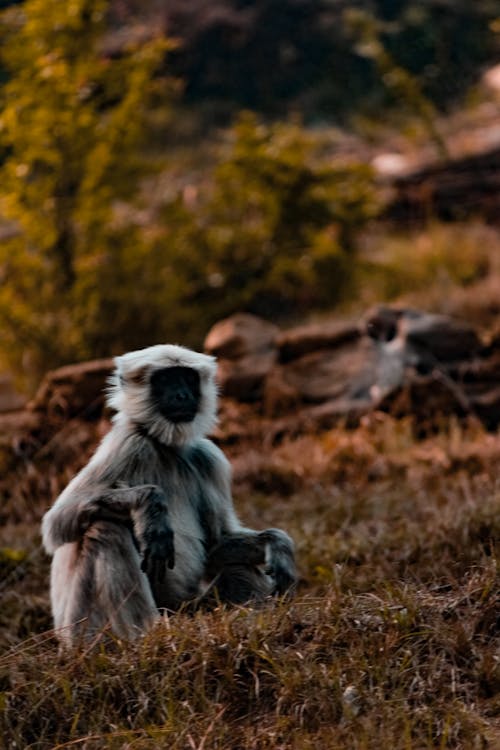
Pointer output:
176, 393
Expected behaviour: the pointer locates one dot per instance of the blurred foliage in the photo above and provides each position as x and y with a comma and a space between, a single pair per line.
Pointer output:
280, 55
430, 262
403, 86
71, 123
274, 232
271, 231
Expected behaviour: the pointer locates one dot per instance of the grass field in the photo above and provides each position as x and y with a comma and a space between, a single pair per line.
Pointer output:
391, 639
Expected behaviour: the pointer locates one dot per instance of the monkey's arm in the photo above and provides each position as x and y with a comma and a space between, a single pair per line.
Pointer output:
271, 549
236, 544
83, 503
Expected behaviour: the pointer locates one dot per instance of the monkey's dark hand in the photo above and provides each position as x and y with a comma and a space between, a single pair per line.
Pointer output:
281, 561
158, 551
155, 534
283, 576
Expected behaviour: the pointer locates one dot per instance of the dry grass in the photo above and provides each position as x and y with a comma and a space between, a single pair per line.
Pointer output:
448, 268
391, 639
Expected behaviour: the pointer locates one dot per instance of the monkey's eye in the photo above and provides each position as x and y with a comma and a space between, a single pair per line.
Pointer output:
139, 377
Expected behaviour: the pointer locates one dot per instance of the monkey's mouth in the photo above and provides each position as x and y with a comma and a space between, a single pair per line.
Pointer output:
181, 416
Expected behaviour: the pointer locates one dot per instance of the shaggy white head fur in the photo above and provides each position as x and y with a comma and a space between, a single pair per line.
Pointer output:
129, 392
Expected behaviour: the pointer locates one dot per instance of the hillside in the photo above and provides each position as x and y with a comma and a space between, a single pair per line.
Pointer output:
310, 191
391, 637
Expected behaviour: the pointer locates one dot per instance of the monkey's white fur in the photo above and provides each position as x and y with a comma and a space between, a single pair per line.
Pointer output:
129, 398
153, 485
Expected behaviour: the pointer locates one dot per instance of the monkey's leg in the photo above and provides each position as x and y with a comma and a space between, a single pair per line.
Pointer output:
280, 559
99, 583
147, 507
270, 552
237, 584
235, 571
250, 565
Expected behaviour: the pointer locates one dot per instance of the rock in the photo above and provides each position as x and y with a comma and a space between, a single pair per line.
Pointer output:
279, 396
345, 411
297, 342
74, 390
345, 372
239, 336
307, 379
20, 434
244, 379
10, 399
429, 399
487, 407
453, 189
245, 346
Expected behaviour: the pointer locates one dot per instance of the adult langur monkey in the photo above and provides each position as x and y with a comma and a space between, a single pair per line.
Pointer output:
149, 524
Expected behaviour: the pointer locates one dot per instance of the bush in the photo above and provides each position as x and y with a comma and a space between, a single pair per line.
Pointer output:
71, 125
272, 230
274, 233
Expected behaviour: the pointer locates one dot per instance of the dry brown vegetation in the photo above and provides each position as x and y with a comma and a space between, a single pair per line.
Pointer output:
392, 637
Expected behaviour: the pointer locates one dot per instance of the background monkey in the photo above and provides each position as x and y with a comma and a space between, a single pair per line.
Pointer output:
149, 522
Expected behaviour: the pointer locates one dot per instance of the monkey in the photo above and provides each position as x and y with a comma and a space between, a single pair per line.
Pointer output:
148, 526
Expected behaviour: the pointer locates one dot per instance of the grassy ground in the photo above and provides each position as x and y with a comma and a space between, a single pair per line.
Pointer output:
446, 268
391, 639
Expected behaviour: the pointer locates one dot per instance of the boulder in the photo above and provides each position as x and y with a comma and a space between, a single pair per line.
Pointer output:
297, 342
345, 411
347, 372
10, 398
239, 336
243, 379
245, 347
309, 378
74, 390
429, 399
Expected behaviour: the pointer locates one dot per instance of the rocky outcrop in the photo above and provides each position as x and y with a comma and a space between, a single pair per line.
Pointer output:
398, 360
457, 188
246, 350
74, 390
276, 383
58, 428
10, 399
297, 342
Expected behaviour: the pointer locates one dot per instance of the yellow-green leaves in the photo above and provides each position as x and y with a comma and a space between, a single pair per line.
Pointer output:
71, 126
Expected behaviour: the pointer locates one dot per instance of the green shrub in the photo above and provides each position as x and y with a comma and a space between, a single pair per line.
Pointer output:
71, 123
274, 232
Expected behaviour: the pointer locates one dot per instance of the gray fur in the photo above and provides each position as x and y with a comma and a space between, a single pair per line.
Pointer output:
149, 524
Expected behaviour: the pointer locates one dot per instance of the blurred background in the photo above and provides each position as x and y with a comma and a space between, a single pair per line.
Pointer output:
166, 164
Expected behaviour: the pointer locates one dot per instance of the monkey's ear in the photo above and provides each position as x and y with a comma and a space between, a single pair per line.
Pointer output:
138, 376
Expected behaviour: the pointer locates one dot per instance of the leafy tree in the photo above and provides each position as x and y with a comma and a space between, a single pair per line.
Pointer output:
404, 86
71, 123
274, 233
272, 229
